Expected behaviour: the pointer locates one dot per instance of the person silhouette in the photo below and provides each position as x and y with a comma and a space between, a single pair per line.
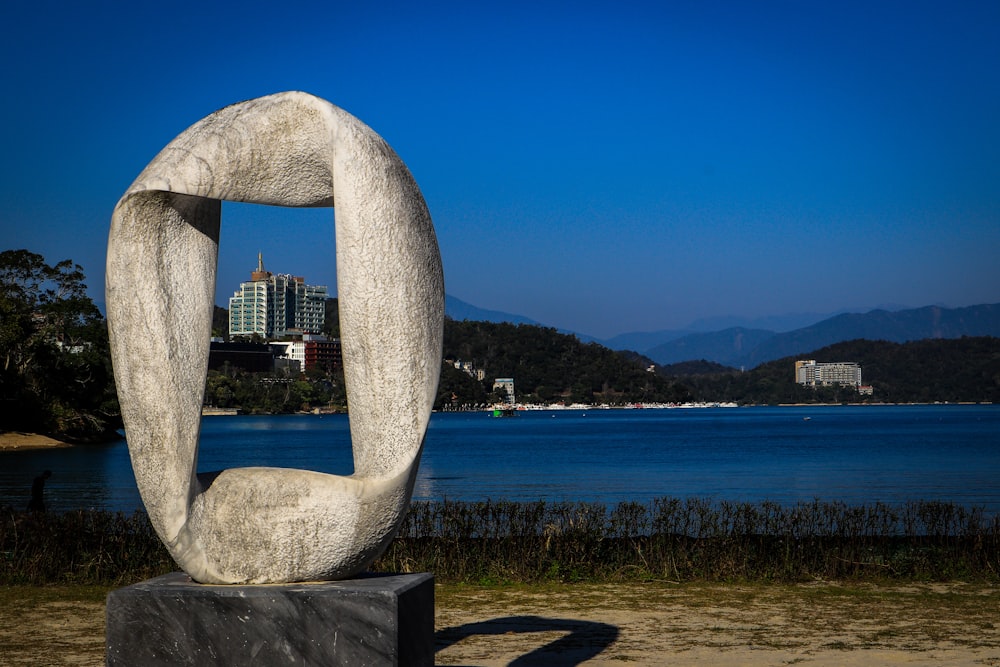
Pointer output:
37, 502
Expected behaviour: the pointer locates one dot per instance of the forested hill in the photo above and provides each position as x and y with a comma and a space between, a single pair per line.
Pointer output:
546, 366
932, 370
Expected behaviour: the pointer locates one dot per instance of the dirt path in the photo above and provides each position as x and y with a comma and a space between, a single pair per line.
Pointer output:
641, 624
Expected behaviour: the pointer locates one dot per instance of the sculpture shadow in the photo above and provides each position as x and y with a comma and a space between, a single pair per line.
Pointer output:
586, 639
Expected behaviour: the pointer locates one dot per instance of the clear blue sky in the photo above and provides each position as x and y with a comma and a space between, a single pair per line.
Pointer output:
599, 167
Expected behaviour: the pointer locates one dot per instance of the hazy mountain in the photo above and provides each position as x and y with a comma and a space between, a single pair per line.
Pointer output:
640, 341
751, 347
775, 323
459, 310
729, 346
897, 327
648, 341
643, 341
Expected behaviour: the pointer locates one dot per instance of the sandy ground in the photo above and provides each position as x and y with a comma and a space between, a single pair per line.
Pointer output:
722, 625
640, 624
11, 440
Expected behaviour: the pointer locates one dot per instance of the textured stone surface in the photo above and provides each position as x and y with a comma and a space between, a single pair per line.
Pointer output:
170, 620
259, 525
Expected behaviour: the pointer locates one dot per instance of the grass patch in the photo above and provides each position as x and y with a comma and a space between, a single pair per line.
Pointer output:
498, 543
696, 539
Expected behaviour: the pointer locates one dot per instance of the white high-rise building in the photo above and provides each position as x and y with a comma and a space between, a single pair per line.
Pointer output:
276, 305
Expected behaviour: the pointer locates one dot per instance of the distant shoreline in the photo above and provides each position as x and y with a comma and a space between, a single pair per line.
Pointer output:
19, 440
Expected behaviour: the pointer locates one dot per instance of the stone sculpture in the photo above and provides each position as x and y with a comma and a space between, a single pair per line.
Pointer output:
269, 525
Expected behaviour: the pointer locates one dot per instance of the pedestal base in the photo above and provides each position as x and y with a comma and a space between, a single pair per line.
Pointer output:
373, 620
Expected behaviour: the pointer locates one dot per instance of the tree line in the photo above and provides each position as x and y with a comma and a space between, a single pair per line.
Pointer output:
55, 364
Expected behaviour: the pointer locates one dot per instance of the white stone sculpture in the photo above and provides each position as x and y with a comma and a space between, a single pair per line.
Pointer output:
269, 525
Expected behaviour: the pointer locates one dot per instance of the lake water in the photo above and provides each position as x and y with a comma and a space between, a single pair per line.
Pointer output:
853, 454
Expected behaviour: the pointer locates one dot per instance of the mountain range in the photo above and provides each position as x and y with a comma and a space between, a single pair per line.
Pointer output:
741, 347
749, 346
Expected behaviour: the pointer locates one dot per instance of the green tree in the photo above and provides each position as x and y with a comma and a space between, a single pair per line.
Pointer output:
220, 323
55, 371
220, 390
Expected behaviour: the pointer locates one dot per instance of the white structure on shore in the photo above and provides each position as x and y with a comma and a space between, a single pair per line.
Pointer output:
276, 305
810, 373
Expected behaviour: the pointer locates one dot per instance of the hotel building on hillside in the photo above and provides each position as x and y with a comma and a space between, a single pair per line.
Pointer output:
276, 305
810, 373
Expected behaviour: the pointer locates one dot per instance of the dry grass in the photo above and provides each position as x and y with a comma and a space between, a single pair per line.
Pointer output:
649, 623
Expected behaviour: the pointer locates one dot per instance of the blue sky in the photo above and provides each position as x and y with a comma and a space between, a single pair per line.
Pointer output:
599, 167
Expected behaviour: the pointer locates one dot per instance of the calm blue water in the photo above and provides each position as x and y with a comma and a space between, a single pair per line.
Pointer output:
852, 454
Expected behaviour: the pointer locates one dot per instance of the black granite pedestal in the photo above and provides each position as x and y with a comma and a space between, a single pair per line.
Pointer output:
372, 620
